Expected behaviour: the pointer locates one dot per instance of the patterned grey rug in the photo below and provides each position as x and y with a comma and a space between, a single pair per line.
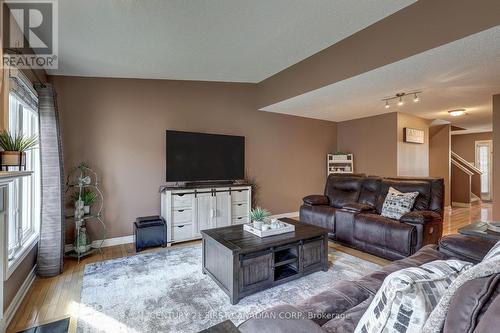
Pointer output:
166, 292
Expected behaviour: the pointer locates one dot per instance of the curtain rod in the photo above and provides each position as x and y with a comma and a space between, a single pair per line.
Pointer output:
9, 50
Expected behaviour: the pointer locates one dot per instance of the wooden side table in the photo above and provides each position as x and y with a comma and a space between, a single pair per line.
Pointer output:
479, 229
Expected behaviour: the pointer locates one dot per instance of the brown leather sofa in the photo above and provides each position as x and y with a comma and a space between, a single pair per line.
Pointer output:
474, 308
351, 205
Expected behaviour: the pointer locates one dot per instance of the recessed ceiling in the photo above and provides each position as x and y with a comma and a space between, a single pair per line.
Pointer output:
215, 40
461, 74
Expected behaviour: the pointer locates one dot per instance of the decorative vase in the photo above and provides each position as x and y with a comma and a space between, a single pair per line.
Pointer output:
13, 158
79, 209
82, 241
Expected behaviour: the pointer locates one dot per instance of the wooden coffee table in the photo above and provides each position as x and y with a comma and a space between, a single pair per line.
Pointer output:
243, 264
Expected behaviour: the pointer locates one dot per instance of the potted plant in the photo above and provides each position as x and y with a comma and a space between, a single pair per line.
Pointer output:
15, 147
257, 217
87, 197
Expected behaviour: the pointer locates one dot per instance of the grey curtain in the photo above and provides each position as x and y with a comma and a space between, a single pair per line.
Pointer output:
51, 244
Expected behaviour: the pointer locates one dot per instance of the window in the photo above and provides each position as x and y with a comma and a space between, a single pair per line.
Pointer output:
484, 162
23, 199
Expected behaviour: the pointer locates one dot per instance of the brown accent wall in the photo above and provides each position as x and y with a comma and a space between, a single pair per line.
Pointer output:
496, 157
465, 144
118, 127
440, 156
413, 158
373, 141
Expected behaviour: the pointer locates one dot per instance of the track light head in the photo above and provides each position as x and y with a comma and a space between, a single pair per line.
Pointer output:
387, 105
400, 103
416, 99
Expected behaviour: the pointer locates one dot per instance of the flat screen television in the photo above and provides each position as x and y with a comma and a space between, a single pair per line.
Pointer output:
196, 157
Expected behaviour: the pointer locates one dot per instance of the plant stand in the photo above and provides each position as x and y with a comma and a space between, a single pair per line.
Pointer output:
80, 179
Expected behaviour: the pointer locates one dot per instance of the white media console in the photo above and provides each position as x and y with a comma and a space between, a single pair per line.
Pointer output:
187, 211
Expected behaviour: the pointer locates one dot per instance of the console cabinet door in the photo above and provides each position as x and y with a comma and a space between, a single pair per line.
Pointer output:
256, 272
312, 254
222, 209
204, 212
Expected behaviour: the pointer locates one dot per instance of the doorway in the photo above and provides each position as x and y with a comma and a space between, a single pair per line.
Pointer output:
484, 162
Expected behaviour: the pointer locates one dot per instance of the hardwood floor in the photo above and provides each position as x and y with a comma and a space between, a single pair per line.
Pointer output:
55, 298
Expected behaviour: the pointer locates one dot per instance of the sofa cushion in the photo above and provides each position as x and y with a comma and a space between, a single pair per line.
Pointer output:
397, 204
422, 187
468, 302
489, 317
407, 297
420, 217
384, 232
370, 190
342, 190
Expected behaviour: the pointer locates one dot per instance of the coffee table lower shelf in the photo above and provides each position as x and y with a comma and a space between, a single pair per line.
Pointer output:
242, 274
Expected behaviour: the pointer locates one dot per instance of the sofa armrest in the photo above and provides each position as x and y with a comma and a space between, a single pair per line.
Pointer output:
358, 207
280, 319
421, 217
315, 200
469, 248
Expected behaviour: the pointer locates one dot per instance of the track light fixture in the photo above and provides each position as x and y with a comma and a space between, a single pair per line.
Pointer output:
400, 97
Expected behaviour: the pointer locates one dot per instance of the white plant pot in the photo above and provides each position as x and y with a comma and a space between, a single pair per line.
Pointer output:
257, 224
86, 210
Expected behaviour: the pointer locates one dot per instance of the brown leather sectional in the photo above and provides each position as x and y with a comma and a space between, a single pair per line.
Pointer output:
351, 205
473, 309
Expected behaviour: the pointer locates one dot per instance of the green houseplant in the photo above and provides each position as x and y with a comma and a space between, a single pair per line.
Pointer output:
258, 215
15, 147
87, 197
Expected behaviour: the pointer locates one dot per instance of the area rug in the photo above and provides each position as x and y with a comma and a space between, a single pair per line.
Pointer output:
166, 291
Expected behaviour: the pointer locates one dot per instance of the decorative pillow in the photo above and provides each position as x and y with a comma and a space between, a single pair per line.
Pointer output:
397, 203
407, 297
493, 252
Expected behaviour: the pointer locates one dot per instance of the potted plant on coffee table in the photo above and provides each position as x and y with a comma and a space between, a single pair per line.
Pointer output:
15, 147
257, 216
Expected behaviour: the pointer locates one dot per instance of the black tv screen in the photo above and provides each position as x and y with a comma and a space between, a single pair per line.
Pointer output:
204, 157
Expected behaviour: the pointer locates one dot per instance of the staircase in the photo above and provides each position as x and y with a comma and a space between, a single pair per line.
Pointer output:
465, 181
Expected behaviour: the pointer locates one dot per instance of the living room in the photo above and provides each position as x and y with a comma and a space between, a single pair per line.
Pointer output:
171, 141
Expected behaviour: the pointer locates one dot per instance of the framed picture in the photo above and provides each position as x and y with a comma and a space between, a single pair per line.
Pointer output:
413, 135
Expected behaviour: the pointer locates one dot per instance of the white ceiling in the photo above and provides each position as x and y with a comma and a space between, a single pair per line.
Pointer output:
215, 40
461, 74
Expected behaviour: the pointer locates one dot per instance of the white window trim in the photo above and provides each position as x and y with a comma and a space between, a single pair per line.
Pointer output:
20, 255
28, 245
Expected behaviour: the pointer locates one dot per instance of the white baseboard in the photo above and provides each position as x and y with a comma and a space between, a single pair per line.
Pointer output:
107, 242
18, 299
130, 239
